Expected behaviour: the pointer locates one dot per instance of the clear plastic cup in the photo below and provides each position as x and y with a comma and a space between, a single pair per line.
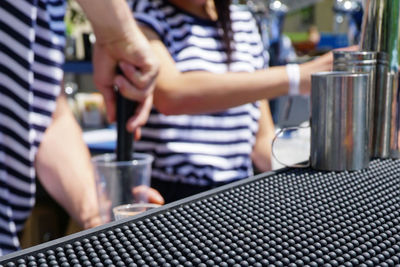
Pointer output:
129, 210
121, 182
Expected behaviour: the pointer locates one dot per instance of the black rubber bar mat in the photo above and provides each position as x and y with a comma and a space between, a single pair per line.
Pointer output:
295, 217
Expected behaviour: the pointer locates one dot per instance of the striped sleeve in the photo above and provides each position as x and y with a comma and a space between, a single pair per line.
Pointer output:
31, 57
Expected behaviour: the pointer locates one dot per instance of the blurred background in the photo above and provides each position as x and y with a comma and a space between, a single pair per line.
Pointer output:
293, 31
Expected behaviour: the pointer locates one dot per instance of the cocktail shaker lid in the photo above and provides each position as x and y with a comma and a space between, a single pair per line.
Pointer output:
351, 57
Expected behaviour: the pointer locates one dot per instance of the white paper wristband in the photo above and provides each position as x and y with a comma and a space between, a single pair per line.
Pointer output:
293, 72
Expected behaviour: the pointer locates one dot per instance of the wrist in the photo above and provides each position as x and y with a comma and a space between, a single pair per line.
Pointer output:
89, 216
306, 70
111, 20
293, 72
109, 35
92, 222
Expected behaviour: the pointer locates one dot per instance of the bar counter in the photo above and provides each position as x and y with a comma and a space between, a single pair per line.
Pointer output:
290, 217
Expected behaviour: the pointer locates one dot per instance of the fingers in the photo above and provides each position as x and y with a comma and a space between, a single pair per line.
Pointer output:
128, 90
141, 78
94, 222
144, 96
126, 84
109, 100
141, 115
139, 66
138, 134
153, 196
103, 73
348, 48
144, 60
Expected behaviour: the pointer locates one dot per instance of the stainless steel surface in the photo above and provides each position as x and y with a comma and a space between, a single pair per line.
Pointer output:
380, 32
339, 121
356, 57
386, 116
373, 34
383, 100
360, 61
380, 29
395, 120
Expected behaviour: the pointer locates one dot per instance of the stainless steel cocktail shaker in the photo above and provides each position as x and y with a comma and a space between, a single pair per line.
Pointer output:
360, 61
339, 121
380, 33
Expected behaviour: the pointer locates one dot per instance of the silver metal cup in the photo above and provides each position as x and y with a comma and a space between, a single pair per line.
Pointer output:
373, 36
360, 61
395, 120
382, 116
386, 126
380, 31
380, 28
339, 121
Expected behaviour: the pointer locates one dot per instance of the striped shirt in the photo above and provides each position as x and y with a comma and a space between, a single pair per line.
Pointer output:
31, 57
212, 148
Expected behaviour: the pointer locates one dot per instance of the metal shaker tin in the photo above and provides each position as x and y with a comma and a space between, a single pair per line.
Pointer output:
360, 61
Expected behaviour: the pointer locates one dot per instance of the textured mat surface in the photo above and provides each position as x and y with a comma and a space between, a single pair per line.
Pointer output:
293, 218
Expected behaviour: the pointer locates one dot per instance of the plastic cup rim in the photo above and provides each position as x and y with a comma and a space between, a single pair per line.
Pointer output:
131, 205
108, 159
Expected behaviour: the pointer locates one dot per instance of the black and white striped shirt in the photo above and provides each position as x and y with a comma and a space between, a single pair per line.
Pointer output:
31, 57
211, 148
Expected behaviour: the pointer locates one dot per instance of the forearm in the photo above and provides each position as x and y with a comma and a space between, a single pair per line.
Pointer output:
64, 168
262, 150
111, 19
196, 92
201, 91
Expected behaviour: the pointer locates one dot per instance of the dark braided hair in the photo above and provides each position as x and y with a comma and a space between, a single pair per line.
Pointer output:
224, 21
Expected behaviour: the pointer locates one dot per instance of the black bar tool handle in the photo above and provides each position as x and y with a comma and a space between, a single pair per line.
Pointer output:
125, 109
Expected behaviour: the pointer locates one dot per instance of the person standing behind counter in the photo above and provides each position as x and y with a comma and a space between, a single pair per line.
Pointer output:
202, 130
38, 133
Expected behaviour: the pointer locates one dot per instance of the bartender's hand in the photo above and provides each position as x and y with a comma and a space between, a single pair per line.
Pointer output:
322, 63
140, 68
319, 64
145, 192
